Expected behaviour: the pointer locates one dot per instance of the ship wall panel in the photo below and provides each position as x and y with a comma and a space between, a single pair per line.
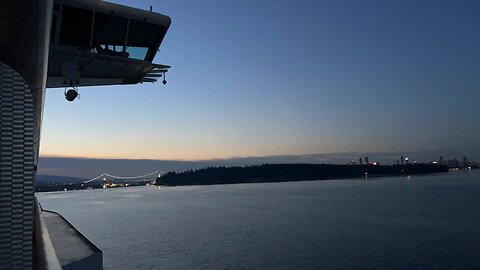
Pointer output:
16, 171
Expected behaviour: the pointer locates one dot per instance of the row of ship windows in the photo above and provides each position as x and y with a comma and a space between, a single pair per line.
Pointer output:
101, 33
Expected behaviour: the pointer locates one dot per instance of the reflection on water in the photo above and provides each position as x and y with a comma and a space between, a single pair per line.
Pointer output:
417, 222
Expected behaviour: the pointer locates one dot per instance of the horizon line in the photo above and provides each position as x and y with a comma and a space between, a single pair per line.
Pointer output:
253, 156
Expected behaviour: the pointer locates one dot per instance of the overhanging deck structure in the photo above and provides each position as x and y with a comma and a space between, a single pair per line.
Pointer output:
61, 43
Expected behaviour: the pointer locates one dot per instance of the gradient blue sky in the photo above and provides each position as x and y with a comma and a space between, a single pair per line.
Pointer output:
265, 77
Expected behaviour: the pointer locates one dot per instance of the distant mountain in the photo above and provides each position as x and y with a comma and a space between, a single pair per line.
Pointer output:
58, 179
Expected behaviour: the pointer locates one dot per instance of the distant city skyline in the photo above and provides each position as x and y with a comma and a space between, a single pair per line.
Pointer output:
267, 78
91, 167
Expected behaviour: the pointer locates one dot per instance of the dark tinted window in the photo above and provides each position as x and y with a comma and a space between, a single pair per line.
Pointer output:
76, 27
109, 30
142, 34
144, 39
53, 30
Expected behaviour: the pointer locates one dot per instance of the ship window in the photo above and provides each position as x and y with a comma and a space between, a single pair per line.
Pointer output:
144, 39
53, 30
109, 50
76, 27
137, 52
109, 33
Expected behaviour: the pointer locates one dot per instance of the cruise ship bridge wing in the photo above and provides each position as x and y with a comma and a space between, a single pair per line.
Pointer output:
100, 43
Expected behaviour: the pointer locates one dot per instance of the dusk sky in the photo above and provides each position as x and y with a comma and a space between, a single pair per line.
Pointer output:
265, 77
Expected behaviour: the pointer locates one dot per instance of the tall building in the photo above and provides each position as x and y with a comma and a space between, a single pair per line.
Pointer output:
465, 162
360, 161
366, 160
402, 160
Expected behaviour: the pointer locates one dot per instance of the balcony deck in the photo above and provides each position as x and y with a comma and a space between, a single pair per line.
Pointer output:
63, 245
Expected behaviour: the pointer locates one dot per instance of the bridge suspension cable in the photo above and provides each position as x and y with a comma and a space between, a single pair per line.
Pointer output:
105, 175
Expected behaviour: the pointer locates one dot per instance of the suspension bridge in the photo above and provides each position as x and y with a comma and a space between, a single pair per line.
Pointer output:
106, 177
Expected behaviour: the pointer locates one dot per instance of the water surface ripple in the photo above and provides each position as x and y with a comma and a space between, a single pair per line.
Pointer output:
421, 222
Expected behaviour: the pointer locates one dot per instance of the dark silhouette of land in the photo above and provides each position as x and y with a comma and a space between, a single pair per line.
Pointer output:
291, 172
47, 183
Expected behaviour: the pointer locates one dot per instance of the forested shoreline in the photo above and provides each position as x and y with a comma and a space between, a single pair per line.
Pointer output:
290, 172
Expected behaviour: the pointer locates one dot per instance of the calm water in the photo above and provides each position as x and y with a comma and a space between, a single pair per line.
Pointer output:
422, 222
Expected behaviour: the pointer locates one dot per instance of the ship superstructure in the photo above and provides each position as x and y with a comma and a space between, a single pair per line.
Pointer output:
62, 43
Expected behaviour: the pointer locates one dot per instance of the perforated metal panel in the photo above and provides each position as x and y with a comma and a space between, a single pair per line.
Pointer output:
16, 171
